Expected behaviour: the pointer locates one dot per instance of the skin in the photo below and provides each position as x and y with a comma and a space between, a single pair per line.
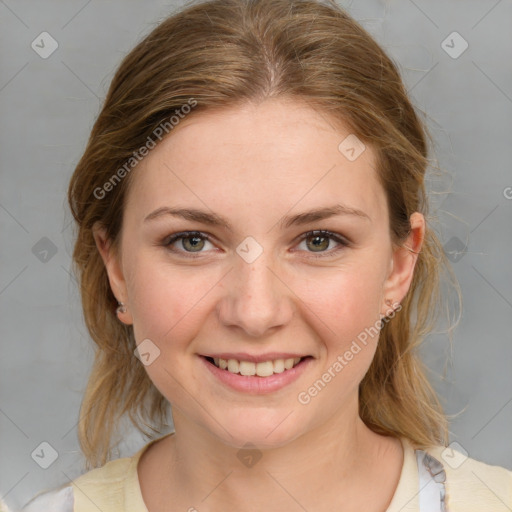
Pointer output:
254, 164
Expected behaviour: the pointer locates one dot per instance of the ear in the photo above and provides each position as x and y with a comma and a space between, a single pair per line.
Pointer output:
114, 269
402, 264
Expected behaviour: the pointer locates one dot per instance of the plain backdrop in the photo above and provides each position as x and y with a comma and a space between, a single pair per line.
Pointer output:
48, 106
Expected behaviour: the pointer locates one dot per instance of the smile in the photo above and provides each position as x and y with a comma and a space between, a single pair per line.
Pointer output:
261, 369
256, 378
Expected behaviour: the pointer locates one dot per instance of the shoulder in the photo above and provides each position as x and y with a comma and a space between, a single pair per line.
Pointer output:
103, 487
472, 484
112, 487
107, 480
56, 500
110, 473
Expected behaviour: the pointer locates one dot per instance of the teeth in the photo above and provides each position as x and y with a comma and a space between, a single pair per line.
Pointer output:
265, 369
247, 368
262, 369
279, 366
233, 366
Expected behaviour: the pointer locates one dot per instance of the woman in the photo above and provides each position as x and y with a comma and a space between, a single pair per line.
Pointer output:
253, 249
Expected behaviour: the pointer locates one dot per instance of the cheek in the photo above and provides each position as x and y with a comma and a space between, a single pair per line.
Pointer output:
167, 309
347, 317
166, 301
346, 300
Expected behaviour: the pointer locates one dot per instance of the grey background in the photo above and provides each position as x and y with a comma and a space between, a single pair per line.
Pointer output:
47, 109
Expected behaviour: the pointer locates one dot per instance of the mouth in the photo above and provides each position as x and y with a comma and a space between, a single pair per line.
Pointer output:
256, 377
261, 369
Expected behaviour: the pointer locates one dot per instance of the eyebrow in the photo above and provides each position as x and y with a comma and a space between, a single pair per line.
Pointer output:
213, 219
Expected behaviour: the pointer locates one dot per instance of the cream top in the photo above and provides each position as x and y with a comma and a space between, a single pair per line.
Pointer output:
471, 486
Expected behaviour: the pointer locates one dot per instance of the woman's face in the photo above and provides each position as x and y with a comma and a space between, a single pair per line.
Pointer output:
260, 286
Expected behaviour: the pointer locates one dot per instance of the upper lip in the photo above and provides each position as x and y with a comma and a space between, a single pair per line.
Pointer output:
242, 356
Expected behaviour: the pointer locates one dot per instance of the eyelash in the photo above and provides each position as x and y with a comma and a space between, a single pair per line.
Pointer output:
322, 233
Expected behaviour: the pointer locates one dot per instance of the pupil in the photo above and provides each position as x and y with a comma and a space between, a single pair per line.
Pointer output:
193, 241
316, 239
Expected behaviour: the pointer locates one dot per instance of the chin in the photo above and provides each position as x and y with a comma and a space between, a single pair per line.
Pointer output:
268, 433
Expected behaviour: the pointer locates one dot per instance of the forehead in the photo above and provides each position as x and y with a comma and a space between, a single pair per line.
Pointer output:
256, 158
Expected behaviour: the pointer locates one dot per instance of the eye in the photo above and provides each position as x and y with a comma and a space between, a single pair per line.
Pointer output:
319, 241
191, 241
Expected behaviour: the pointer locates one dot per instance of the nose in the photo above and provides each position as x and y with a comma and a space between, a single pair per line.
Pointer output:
257, 299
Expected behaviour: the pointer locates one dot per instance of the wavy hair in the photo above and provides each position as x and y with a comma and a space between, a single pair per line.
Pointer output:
223, 53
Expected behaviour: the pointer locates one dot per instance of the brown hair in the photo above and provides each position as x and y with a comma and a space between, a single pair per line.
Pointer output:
226, 52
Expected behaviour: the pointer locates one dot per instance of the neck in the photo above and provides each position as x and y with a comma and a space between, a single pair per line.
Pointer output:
330, 461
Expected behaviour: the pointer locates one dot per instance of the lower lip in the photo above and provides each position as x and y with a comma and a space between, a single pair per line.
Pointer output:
258, 385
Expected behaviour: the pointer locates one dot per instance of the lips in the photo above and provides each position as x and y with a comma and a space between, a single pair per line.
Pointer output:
255, 384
